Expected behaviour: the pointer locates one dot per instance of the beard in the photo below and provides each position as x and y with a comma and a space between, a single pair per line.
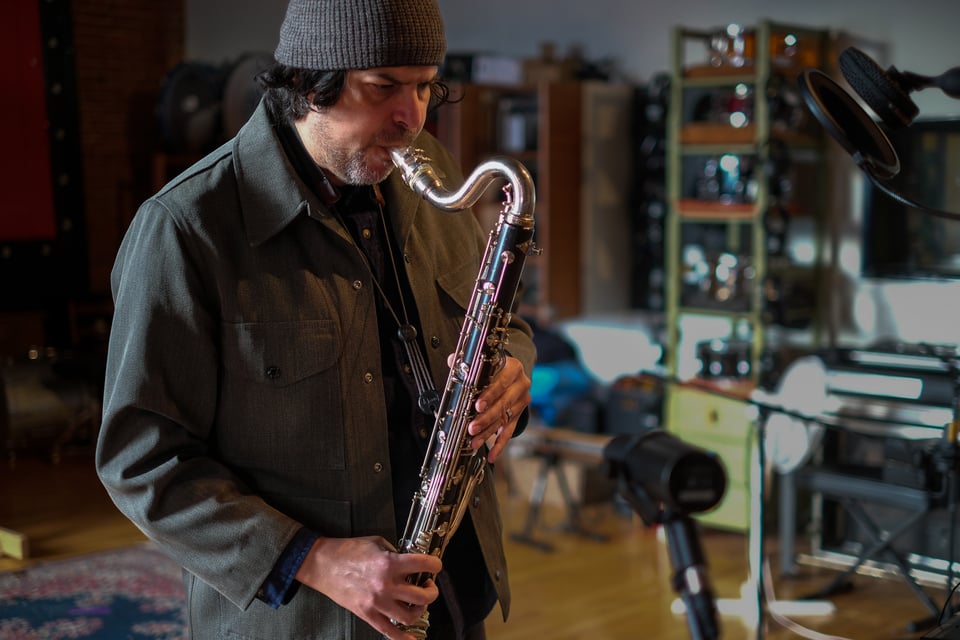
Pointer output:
363, 166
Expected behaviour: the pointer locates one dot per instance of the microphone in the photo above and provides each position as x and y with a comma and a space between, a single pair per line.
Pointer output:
880, 89
888, 92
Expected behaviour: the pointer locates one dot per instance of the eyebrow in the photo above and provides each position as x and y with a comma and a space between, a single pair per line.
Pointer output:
389, 77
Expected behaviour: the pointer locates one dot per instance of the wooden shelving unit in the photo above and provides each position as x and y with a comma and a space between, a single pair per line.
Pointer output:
723, 124
581, 173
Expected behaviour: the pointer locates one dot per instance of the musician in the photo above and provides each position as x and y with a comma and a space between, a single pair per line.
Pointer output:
261, 419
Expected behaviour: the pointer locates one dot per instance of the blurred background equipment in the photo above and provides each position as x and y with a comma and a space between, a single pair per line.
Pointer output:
202, 105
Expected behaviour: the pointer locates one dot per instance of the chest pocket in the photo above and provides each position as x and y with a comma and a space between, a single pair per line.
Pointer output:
281, 396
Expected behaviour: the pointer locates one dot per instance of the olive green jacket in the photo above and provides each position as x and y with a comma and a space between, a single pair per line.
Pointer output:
243, 397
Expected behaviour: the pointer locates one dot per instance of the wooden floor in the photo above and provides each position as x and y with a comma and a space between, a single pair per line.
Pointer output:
616, 589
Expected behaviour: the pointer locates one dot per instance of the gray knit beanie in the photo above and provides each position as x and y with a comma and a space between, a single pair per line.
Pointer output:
361, 34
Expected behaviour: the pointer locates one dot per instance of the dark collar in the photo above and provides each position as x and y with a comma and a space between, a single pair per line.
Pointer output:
273, 191
304, 165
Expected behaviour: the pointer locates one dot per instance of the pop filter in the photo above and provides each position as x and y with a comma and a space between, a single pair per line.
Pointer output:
849, 124
858, 133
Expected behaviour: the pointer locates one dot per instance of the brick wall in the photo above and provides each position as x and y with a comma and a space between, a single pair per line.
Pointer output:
124, 49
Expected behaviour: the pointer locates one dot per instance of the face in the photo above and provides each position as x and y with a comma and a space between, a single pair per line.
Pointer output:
378, 109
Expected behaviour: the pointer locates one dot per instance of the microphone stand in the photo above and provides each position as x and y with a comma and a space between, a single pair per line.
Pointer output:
752, 603
690, 579
946, 455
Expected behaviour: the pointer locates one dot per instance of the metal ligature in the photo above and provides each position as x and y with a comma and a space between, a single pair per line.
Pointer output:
451, 468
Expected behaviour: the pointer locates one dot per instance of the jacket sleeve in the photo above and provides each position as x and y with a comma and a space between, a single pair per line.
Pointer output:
154, 450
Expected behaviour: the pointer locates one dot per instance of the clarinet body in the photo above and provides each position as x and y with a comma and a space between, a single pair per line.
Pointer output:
451, 469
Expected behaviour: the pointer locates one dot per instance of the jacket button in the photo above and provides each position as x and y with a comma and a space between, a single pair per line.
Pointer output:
368, 377
423, 433
357, 285
407, 258
434, 341
377, 467
476, 501
272, 373
496, 574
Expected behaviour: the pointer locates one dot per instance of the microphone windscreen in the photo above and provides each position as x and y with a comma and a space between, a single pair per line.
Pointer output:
849, 124
878, 88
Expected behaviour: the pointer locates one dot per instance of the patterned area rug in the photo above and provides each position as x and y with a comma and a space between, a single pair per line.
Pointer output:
135, 593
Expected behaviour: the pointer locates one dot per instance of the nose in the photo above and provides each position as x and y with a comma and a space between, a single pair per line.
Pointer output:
410, 109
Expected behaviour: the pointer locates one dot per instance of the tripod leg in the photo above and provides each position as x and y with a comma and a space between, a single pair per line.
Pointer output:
574, 523
883, 542
536, 501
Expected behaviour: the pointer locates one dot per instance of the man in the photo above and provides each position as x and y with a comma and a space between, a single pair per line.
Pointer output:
261, 418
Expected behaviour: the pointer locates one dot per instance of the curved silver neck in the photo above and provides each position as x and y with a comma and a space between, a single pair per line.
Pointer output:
419, 174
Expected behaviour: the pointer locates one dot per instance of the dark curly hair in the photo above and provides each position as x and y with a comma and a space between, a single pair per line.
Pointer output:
287, 90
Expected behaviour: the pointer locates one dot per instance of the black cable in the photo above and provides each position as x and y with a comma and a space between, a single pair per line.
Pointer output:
761, 469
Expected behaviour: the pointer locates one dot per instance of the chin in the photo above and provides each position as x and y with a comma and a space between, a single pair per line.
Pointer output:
368, 168
381, 164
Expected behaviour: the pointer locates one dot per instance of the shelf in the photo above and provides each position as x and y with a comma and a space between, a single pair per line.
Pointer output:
736, 389
708, 75
723, 73
706, 134
692, 209
715, 312
716, 133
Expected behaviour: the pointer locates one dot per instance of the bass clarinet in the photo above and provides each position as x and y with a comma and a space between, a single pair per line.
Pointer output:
451, 468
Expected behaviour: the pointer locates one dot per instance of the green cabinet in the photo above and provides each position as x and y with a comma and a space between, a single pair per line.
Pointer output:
724, 425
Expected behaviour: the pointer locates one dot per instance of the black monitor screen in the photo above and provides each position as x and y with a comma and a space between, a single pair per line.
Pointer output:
904, 242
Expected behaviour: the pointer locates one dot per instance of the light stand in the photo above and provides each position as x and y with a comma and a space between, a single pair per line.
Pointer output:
805, 376
690, 579
664, 480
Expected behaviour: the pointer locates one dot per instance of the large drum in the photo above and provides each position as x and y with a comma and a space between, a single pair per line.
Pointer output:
46, 403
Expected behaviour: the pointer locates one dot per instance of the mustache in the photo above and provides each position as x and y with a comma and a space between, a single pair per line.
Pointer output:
398, 137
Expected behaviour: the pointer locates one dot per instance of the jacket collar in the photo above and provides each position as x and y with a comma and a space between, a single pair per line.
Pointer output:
273, 194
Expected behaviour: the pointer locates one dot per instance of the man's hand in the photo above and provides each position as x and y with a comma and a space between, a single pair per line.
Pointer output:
499, 406
369, 578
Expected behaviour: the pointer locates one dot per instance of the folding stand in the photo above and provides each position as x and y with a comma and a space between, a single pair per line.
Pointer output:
553, 446
852, 491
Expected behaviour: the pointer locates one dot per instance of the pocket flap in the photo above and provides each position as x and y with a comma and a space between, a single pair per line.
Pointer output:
280, 353
459, 283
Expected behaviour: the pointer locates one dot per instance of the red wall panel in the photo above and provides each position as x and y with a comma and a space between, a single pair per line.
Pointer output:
26, 191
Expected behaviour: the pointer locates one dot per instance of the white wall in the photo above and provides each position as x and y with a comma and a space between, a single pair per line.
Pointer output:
922, 35
919, 36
